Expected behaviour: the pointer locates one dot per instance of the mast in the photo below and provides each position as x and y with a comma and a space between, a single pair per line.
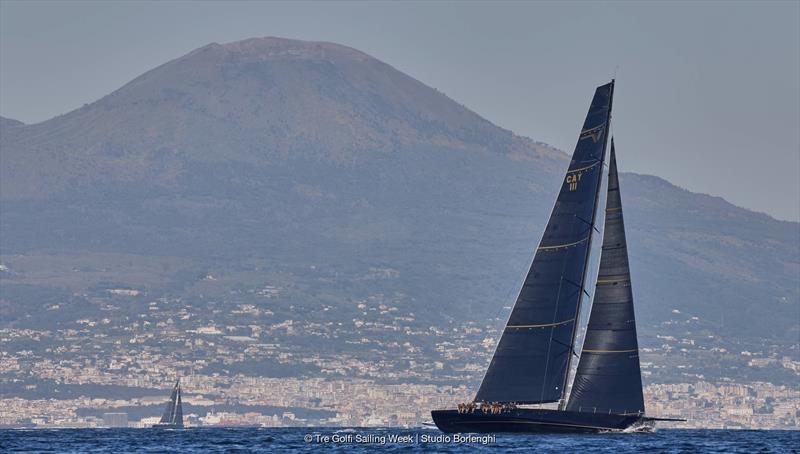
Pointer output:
609, 378
532, 358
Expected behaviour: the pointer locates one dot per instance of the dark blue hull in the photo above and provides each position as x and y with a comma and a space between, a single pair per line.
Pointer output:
534, 421
162, 425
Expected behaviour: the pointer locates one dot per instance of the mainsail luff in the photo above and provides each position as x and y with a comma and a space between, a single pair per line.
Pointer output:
608, 378
532, 359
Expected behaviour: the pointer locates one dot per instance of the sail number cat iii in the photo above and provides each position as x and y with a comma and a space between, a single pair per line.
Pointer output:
531, 364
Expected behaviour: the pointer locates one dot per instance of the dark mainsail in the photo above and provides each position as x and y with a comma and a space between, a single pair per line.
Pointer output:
608, 378
166, 418
532, 359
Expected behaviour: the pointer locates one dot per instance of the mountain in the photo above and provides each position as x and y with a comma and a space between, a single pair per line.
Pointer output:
9, 122
317, 173
248, 102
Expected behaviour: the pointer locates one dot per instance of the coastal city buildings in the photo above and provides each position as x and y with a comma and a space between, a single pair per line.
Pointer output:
364, 403
369, 362
391, 371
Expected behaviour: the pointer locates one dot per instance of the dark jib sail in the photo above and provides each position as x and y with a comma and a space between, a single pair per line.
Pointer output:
608, 379
532, 358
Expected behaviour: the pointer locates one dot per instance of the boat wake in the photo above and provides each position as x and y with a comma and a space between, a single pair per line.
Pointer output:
641, 427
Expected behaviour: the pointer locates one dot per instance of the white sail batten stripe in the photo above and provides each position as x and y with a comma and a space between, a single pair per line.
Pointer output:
583, 168
541, 326
610, 281
558, 246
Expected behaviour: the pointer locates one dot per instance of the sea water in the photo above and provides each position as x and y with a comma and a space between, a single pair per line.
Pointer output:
363, 440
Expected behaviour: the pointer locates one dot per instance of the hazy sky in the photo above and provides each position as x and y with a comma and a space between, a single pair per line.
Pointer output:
708, 94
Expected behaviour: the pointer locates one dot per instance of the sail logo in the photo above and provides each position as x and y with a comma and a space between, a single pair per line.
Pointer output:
572, 180
595, 133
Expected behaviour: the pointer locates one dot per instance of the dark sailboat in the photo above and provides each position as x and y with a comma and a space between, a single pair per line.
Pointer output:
173, 414
532, 361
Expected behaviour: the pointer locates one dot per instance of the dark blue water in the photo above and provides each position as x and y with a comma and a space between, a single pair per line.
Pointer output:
371, 440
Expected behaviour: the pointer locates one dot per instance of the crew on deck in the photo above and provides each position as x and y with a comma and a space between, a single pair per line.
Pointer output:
494, 408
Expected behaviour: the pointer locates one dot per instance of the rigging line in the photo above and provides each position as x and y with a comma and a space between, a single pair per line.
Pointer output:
569, 349
508, 297
583, 289
588, 223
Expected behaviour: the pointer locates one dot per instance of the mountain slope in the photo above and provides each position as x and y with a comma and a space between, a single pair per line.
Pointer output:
249, 102
331, 173
734, 268
9, 122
